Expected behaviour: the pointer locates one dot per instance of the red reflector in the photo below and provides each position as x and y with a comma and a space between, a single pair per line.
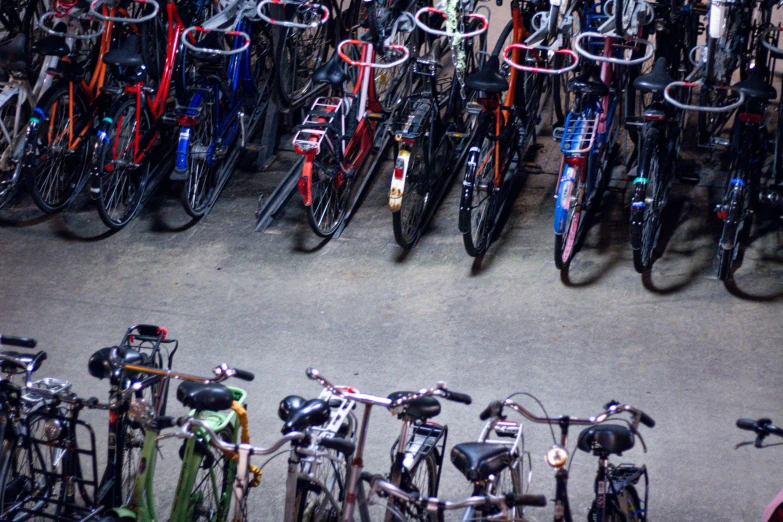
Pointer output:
398, 173
654, 117
408, 141
721, 214
131, 338
108, 167
575, 161
112, 416
749, 117
489, 103
187, 121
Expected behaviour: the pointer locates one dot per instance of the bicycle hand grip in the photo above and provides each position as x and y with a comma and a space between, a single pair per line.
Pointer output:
208, 50
373, 65
747, 424
20, 342
525, 500
464, 398
285, 23
165, 422
647, 420
244, 375
121, 19
490, 411
543, 70
345, 447
484, 24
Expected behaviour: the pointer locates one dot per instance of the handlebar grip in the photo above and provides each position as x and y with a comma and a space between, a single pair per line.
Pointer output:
464, 398
747, 424
165, 422
244, 375
21, 342
345, 447
491, 410
647, 420
526, 500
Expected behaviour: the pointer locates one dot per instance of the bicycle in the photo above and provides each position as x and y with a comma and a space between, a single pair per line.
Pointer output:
432, 129
417, 454
591, 129
226, 102
763, 428
616, 497
506, 126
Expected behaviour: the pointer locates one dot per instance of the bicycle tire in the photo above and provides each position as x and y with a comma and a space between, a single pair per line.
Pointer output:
203, 167
50, 190
200, 506
625, 507
733, 225
9, 179
476, 212
330, 190
312, 503
130, 180
646, 211
408, 220
571, 189
423, 480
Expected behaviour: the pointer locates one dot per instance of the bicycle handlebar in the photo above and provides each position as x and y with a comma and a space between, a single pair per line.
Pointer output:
373, 65
20, 342
221, 52
700, 108
616, 61
543, 70
185, 423
121, 19
221, 372
449, 34
286, 23
495, 409
762, 427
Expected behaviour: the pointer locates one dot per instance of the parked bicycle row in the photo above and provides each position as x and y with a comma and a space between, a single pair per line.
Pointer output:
99, 95
50, 471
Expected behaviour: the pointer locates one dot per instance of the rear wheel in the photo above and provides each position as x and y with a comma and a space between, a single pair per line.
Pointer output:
330, 191
422, 479
478, 193
626, 507
55, 162
9, 171
320, 501
569, 208
407, 221
648, 202
122, 179
203, 166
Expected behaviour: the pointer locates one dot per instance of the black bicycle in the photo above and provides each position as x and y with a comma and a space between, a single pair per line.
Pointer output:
616, 495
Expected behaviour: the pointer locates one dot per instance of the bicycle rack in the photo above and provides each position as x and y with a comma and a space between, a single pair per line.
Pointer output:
54, 14
450, 34
701, 108
120, 19
301, 6
608, 59
774, 49
578, 134
49, 384
313, 129
373, 65
221, 52
542, 70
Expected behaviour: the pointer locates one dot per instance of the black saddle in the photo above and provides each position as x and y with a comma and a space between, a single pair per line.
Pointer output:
756, 85
101, 366
126, 55
422, 408
656, 80
488, 79
289, 405
213, 40
589, 83
53, 45
606, 439
23, 358
478, 460
13, 54
332, 72
201, 396
314, 412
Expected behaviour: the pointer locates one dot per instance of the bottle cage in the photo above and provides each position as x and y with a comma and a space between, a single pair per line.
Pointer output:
543, 70
373, 65
300, 5
80, 16
120, 19
609, 59
449, 34
220, 52
701, 108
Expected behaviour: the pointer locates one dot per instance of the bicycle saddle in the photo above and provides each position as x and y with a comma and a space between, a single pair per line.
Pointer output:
656, 80
213, 40
23, 358
421, 409
205, 396
478, 460
589, 83
101, 366
332, 72
12, 53
288, 405
756, 86
605, 439
126, 55
53, 45
488, 79
312, 413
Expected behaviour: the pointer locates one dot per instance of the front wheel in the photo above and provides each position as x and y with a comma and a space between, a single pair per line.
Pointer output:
203, 165
122, 172
476, 212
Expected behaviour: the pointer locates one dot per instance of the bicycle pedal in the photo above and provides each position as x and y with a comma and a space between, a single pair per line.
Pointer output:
718, 143
375, 116
474, 108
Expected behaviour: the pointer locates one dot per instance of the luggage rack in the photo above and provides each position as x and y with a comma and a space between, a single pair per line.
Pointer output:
313, 129
578, 134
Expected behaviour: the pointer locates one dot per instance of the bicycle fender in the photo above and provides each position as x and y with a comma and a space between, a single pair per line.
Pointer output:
398, 180
181, 164
305, 184
563, 201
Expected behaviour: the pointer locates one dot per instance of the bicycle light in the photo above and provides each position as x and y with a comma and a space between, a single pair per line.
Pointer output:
557, 456
139, 411
52, 429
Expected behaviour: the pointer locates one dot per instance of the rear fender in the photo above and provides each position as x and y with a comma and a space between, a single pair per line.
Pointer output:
398, 179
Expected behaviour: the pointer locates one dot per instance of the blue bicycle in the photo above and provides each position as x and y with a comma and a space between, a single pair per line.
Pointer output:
227, 97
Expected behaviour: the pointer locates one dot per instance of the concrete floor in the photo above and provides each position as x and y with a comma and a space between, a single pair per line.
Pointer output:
693, 353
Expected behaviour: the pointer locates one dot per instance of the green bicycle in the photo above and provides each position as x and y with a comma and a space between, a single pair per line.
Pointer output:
204, 488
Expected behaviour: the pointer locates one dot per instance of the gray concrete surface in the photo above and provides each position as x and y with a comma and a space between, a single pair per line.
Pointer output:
694, 354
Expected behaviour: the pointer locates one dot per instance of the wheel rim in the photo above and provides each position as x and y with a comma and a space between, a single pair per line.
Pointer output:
329, 186
414, 201
199, 186
652, 211
483, 186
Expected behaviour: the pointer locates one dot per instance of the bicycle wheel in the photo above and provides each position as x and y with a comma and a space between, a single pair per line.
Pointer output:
122, 179
422, 479
625, 507
203, 166
736, 204
299, 53
476, 212
54, 162
649, 199
211, 496
407, 221
320, 500
330, 190
569, 214
9, 171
